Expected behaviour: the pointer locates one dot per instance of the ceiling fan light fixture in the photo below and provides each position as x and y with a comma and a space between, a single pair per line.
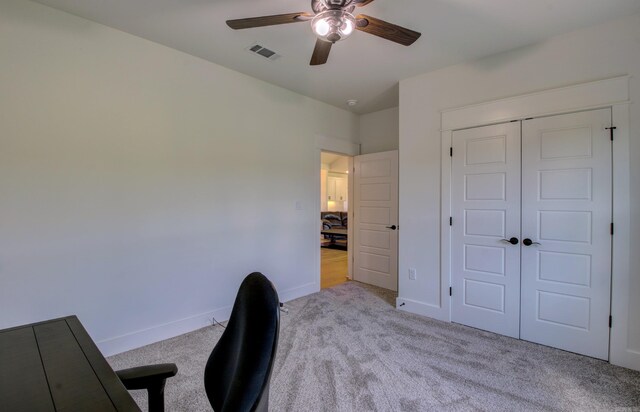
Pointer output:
333, 25
322, 28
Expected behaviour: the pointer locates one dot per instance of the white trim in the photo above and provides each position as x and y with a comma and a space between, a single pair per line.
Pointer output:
350, 210
592, 95
298, 292
164, 331
316, 199
331, 144
157, 333
421, 308
619, 352
612, 93
445, 227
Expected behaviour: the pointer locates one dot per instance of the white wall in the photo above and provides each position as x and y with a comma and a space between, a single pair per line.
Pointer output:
340, 165
598, 52
139, 185
379, 131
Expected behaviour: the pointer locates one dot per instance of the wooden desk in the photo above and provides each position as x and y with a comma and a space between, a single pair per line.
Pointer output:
55, 366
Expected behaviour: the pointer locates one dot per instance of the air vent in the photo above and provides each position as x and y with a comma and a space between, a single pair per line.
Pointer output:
260, 50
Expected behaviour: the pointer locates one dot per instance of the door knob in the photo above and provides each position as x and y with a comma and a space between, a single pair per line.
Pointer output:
392, 227
529, 242
513, 240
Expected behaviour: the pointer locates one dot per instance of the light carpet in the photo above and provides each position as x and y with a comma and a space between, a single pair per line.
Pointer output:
348, 349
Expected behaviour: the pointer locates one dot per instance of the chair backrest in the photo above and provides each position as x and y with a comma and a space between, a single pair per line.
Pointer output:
237, 374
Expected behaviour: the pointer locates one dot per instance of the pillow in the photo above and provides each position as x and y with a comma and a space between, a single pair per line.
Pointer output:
332, 217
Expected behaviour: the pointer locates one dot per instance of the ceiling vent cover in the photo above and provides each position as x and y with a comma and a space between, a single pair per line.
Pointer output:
260, 50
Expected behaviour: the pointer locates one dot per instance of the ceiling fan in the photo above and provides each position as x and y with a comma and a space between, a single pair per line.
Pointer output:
332, 21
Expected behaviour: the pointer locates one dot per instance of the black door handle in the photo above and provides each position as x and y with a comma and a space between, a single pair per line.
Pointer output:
392, 227
513, 240
529, 242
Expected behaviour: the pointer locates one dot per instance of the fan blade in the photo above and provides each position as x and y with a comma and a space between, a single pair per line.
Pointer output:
268, 20
362, 3
320, 52
386, 30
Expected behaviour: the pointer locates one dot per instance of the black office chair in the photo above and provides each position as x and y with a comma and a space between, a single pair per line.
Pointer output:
238, 371
237, 374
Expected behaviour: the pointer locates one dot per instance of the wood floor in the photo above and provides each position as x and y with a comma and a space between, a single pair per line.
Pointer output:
333, 267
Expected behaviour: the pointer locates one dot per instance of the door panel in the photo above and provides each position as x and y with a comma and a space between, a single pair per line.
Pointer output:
486, 210
376, 209
566, 208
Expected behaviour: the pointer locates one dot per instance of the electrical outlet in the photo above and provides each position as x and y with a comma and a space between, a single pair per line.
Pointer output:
412, 273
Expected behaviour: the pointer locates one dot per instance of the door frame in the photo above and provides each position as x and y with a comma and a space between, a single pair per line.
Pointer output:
608, 93
345, 148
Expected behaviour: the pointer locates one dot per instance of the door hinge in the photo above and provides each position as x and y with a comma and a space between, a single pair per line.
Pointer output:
450, 221
450, 291
611, 229
451, 152
610, 129
610, 321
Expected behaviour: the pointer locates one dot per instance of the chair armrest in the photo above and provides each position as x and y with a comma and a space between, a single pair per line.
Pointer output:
142, 377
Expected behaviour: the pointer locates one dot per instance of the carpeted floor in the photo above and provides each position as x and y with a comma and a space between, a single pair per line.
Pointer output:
348, 349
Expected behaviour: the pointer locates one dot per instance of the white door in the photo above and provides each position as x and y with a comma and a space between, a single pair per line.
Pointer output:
566, 211
375, 243
485, 189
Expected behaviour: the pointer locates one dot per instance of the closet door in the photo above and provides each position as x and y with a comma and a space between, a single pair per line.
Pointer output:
566, 214
485, 264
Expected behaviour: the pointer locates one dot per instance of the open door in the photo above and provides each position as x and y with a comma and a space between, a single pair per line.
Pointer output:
375, 206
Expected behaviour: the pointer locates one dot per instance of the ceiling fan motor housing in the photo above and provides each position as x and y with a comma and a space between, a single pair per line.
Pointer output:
339, 4
318, 6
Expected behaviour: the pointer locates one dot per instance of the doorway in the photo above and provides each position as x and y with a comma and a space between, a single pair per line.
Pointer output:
334, 218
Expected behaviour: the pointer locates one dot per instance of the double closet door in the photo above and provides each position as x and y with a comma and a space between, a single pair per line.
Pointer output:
531, 230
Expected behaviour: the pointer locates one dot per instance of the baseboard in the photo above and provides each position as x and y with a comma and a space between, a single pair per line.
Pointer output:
421, 308
157, 333
143, 337
298, 292
627, 358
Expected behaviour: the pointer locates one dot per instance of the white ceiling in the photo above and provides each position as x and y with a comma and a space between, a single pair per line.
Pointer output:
362, 67
329, 158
